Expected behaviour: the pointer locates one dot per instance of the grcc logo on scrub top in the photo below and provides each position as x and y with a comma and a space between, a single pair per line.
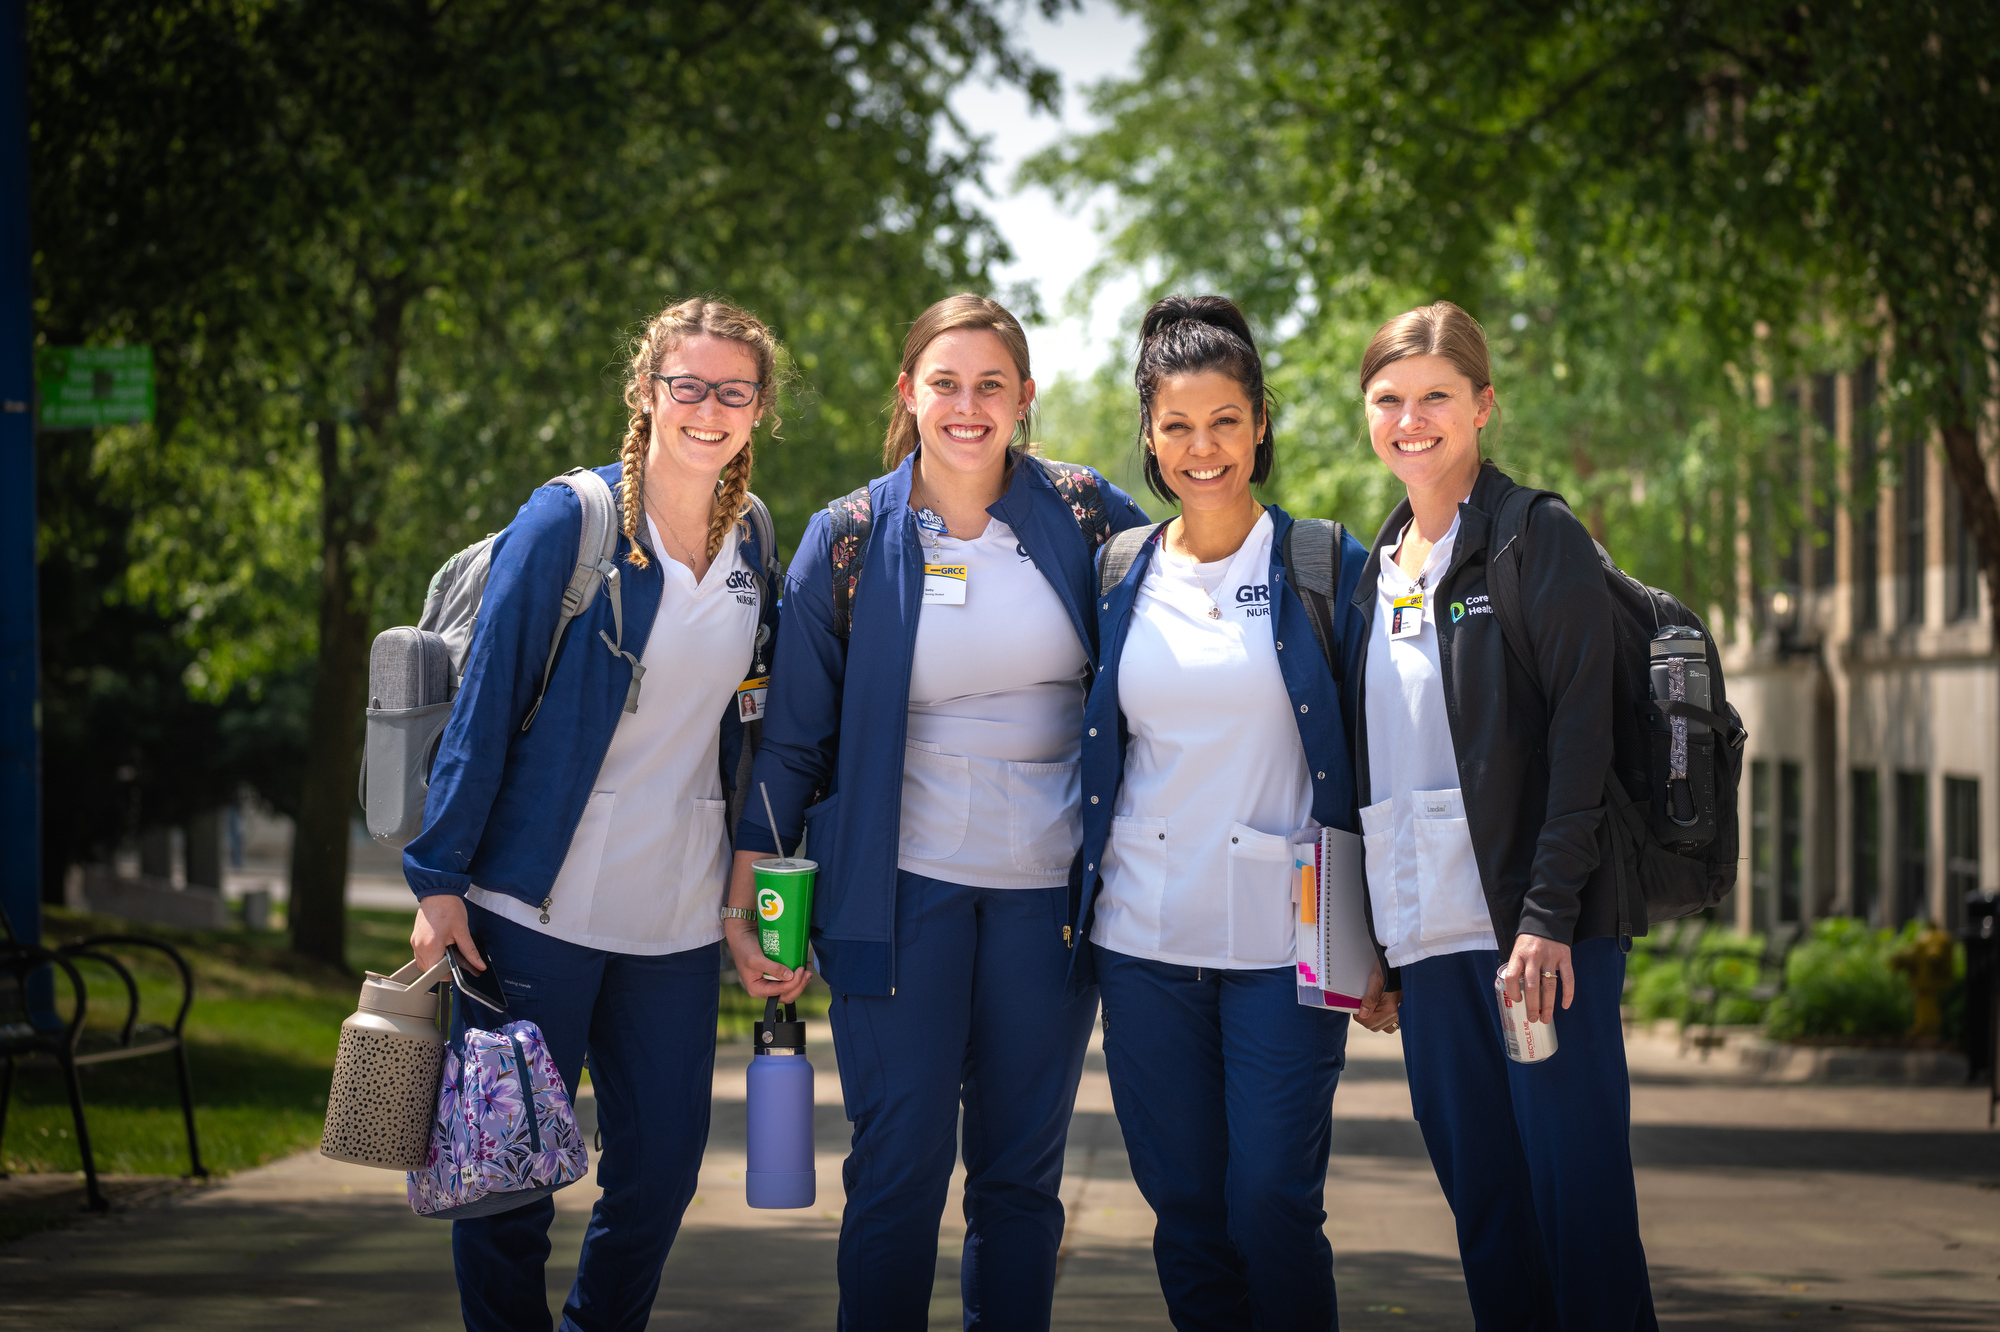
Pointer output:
744, 584
1257, 597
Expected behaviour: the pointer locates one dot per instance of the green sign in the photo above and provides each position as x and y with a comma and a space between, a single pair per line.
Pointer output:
95, 386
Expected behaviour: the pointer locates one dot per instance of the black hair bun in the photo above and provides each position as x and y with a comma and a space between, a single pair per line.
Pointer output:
1215, 311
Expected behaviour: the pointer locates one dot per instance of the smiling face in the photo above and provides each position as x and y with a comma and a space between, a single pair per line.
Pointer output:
1204, 438
701, 438
1424, 419
967, 395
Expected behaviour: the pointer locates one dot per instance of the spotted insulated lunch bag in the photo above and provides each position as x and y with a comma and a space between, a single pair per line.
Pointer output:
505, 1133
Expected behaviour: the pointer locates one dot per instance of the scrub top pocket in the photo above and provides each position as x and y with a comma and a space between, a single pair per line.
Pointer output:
937, 800
1451, 901
1044, 815
1378, 846
1260, 898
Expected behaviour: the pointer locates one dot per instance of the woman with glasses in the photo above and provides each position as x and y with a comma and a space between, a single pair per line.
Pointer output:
925, 709
585, 856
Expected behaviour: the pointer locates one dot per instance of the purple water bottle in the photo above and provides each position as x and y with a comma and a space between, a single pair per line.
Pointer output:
780, 1095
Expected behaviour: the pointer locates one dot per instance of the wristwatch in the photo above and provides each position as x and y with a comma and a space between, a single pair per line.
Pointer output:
735, 913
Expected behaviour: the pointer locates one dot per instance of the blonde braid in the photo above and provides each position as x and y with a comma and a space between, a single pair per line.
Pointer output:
731, 500
662, 334
632, 483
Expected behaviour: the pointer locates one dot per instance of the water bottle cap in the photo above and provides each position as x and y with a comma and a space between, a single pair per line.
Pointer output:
780, 1032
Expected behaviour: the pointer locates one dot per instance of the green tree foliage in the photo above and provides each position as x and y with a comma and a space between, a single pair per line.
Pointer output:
1660, 211
388, 254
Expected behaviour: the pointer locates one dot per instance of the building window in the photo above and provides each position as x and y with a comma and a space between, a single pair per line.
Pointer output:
1961, 593
1867, 510
1913, 848
1865, 825
1791, 840
1760, 845
1961, 847
1825, 500
1915, 508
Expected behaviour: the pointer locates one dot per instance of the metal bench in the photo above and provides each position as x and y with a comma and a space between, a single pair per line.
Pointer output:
73, 1045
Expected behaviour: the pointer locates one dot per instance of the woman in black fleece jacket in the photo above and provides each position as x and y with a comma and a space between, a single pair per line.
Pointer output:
1482, 794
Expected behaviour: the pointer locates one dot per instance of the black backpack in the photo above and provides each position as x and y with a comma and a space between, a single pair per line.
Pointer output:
853, 520
1663, 866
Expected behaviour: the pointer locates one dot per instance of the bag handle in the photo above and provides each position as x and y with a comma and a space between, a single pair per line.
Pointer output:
411, 977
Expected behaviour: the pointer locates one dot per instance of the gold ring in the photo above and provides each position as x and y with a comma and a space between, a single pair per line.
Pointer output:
1551, 975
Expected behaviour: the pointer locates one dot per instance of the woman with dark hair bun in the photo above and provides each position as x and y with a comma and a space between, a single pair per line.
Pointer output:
1214, 734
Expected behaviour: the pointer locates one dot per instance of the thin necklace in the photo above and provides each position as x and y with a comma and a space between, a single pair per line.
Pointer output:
1194, 567
687, 551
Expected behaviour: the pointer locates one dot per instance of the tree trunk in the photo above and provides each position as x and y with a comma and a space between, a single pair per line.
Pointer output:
1982, 509
327, 801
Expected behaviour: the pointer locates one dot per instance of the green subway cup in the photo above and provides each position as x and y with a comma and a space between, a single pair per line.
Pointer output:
784, 908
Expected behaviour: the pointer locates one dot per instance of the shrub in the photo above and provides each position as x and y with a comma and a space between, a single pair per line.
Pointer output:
1838, 983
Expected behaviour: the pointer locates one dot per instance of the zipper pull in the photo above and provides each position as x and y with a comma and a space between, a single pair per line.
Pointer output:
1066, 942
545, 909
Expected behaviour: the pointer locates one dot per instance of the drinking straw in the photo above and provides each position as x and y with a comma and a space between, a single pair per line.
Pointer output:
774, 821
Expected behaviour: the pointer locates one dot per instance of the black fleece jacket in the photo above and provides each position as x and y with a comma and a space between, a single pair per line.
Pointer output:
1531, 768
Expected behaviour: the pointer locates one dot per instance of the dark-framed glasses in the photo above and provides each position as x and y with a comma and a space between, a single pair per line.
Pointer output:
691, 389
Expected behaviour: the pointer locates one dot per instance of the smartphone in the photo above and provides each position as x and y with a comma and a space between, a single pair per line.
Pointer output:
481, 985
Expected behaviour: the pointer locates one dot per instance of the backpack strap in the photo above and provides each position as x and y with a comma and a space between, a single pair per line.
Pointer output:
1624, 820
1119, 552
853, 520
595, 550
766, 532
1503, 573
1081, 490
1312, 566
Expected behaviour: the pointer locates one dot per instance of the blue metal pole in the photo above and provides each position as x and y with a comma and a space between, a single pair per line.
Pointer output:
20, 687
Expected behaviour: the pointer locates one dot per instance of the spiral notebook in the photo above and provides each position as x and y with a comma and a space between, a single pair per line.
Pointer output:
1330, 886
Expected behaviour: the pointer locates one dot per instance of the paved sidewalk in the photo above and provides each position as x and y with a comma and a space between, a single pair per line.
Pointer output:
1857, 1208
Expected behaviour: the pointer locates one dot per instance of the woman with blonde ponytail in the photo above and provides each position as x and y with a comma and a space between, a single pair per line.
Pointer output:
579, 845
939, 633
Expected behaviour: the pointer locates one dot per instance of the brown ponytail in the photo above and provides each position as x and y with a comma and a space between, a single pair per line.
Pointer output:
664, 332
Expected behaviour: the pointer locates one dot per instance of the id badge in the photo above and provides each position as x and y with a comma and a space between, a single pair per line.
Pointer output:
1406, 616
750, 698
944, 585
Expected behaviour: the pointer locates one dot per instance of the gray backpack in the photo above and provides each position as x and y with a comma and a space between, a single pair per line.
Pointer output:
414, 671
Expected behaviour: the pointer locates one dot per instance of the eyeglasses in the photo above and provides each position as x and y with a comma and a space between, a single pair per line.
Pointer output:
691, 389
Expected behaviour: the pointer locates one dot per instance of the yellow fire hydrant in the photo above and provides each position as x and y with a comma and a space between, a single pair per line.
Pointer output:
1926, 963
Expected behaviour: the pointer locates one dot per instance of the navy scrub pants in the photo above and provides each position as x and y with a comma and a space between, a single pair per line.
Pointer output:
649, 1024
1224, 1085
1535, 1159
979, 1017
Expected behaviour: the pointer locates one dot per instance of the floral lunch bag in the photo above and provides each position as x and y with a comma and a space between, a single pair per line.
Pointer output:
505, 1132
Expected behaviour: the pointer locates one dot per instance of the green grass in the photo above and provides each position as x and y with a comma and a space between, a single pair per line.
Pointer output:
261, 1040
